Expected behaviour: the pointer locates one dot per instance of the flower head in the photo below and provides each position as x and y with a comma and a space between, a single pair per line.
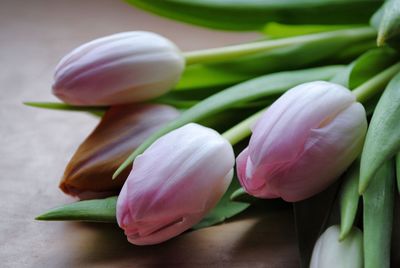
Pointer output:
303, 142
174, 183
117, 69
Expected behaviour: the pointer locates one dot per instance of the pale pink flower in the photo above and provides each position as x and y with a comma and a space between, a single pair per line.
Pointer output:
174, 184
303, 142
116, 69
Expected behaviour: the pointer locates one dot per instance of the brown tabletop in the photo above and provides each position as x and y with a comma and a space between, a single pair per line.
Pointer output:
36, 145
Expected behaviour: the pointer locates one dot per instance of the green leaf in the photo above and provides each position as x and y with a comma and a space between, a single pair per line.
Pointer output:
264, 86
203, 76
383, 137
225, 208
295, 56
349, 199
97, 210
336, 48
240, 195
242, 15
278, 30
312, 218
389, 25
104, 210
378, 217
398, 171
370, 64
98, 111
366, 66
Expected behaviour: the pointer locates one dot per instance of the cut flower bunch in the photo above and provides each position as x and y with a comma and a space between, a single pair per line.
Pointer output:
308, 114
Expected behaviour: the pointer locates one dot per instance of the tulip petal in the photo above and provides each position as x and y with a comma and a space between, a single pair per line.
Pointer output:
304, 141
121, 68
174, 183
122, 129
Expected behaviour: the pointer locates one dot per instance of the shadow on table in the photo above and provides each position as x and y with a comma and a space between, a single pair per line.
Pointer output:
253, 239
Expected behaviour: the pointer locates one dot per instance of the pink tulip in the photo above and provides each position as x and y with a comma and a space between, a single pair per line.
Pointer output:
120, 68
303, 142
174, 184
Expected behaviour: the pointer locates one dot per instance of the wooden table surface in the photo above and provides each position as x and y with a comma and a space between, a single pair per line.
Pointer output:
36, 144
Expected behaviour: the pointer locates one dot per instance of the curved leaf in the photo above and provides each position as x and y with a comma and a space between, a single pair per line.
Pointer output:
378, 217
104, 210
268, 85
366, 66
278, 30
98, 111
383, 137
242, 15
97, 210
370, 64
389, 25
349, 199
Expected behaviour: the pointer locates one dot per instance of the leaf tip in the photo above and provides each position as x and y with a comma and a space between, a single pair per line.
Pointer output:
381, 40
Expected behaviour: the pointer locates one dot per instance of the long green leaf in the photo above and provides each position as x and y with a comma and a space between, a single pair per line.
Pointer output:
378, 217
296, 56
383, 137
398, 171
337, 49
269, 85
389, 26
349, 199
242, 15
104, 210
97, 210
98, 111
278, 30
366, 66
370, 64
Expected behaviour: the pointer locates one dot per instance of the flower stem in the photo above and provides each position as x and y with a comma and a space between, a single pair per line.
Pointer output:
376, 84
242, 130
221, 54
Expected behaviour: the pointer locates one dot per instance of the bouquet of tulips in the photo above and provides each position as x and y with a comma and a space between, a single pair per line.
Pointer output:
293, 107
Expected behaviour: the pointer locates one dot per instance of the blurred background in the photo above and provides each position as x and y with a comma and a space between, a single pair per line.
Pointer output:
36, 144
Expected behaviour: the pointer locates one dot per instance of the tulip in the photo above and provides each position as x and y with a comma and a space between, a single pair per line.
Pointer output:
174, 183
117, 69
121, 130
330, 252
303, 142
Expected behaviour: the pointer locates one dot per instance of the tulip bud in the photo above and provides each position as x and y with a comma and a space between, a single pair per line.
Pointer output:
330, 252
121, 130
120, 68
174, 183
303, 142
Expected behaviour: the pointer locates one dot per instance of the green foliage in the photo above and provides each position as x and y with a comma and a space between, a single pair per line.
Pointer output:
264, 86
244, 15
383, 137
366, 66
97, 210
389, 23
378, 217
98, 111
349, 199
104, 210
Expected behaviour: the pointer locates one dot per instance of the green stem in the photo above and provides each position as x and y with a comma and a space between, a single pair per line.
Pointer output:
221, 54
242, 130
376, 84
